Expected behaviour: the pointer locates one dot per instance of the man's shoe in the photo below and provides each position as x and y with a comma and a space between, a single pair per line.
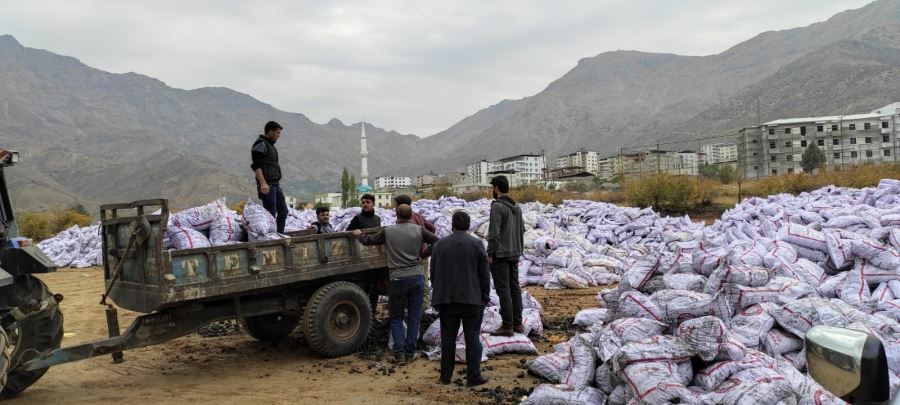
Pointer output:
505, 330
411, 357
443, 381
519, 328
399, 358
478, 381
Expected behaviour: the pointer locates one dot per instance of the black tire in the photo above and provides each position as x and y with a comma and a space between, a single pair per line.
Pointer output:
4, 358
337, 319
34, 336
270, 326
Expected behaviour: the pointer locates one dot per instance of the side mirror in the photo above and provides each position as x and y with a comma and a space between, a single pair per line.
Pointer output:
848, 363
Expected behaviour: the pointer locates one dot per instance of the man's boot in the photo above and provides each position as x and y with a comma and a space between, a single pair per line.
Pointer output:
519, 328
478, 381
505, 330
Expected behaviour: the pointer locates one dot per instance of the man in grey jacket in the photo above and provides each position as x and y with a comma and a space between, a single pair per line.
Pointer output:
462, 287
506, 234
404, 247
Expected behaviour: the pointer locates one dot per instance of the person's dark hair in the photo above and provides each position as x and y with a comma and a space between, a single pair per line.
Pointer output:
461, 221
369, 197
502, 183
272, 126
320, 210
404, 211
403, 199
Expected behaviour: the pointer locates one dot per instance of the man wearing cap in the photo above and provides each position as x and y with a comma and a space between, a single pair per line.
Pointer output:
265, 167
506, 234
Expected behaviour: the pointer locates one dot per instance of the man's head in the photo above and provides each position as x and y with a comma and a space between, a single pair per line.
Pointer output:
323, 214
367, 201
461, 221
404, 211
501, 186
273, 131
402, 199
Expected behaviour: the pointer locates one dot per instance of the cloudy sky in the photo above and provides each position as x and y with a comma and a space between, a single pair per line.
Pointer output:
411, 66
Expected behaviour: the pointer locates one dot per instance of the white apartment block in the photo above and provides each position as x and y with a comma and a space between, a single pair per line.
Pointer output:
477, 172
392, 182
589, 160
777, 147
719, 153
528, 167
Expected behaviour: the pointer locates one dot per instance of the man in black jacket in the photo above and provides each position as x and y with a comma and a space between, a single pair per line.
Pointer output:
367, 218
323, 221
462, 287
506, 234
265, 167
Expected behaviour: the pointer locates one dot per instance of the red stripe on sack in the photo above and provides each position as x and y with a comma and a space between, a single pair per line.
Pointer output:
802, 236
645, 308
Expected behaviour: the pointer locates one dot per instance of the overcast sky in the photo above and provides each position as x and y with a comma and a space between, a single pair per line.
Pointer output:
411, 66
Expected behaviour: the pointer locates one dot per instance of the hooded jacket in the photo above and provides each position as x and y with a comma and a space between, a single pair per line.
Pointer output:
506, 229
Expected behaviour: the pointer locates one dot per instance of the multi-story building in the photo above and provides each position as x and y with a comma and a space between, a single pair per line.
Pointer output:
609, 167
477, 172
680, 163
383, 199
528, 167
718, 153
425, 180
777, 147
392, 182
582, 158
452, 178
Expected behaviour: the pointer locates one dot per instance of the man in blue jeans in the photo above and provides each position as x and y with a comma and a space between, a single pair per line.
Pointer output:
404, 247
265, 167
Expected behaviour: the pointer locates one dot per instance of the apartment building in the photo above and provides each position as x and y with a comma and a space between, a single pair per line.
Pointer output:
528, 167
718, 153
392, 182
777, 147
586, 159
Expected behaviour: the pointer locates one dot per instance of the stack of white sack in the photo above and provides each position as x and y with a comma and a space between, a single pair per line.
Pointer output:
77, 247
721, 319
491, 322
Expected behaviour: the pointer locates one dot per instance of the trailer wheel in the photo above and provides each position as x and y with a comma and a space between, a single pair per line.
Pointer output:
4, 358
42, 333
337, 319
270, 326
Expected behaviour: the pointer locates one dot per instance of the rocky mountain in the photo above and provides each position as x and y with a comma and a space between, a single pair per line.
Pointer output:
630, 98
92, 136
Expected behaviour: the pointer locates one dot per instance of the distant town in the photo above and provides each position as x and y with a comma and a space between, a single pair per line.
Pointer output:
771, 148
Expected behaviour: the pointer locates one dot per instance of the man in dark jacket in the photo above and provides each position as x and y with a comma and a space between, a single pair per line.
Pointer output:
265, 167
506, 234
323, 221
462, 287
367, 218
403, 245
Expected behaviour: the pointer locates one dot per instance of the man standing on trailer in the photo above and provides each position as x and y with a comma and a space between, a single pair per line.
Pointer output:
265, 166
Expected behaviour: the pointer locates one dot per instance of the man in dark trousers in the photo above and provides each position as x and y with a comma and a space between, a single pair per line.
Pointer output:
323, 221
462, 287
506, 234
367, 218
265, 166
403, 245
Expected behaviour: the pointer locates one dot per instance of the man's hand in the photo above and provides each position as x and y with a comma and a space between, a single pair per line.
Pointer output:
490, 260
311, 227
264, 188
356, 232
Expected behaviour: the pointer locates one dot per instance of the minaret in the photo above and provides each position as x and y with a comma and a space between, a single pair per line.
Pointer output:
364, 154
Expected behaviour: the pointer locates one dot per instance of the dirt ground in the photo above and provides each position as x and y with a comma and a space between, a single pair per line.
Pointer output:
234, 368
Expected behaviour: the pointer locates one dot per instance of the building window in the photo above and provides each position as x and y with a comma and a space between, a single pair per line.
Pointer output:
868, 153
774, 171
787, 131
885, 138
867, 126
887, 152
803, 143
789, 158
853, 154
820, 128
884, 124
755, 153
853, 141
771, 145
755, 167
820, 142
852, 127
774, 158
837, 155
835, 141
771, 131
790, 170
754, 141
868, 139
803, 131
834, 127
